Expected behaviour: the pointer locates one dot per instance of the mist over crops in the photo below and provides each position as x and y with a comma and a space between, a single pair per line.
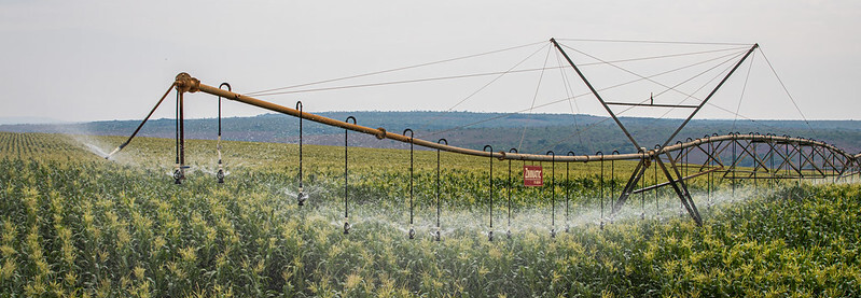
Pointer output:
75, 224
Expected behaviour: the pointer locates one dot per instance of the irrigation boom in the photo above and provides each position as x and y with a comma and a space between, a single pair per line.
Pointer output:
732, 156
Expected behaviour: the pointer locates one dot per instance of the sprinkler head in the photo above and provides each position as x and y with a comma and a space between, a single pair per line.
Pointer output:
642, 216
301, 198
553, 233
567, 229
347, 227
220, 176
508, 234
114, 152
601, 225
437, 236
177, 176
412, 233
490, 236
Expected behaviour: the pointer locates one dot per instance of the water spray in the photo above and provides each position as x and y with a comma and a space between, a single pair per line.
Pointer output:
347, 226
178, 174
120, 147
123, 145
301, 197
220, 174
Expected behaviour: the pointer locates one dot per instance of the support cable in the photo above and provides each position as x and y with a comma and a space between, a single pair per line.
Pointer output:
743, 89
688, 96
568, 92
287, 90
534, 98
595, 93
703, 86
638, 75
709, 97
785, 89
587, 94
659, 93
499, 76
393, 70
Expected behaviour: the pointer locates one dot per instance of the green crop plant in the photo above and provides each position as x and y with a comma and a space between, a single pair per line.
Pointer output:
74, 224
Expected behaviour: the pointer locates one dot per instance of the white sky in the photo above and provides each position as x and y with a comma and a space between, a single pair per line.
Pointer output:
104, 60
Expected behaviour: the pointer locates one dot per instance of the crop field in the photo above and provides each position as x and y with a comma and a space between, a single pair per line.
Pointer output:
73, 224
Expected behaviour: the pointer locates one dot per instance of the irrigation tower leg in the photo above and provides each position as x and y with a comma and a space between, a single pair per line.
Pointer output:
682, 191
629, 187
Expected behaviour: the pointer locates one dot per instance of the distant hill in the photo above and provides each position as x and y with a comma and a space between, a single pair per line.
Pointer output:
534, 133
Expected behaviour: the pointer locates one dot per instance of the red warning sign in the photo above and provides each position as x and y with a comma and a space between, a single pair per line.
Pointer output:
533, 176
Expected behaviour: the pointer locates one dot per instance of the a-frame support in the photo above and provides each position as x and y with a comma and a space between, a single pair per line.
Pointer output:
654, 156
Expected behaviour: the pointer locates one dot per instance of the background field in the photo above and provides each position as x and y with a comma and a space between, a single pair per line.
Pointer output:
531, 133
74, 224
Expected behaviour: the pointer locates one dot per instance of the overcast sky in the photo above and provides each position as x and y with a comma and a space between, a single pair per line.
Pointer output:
104, 60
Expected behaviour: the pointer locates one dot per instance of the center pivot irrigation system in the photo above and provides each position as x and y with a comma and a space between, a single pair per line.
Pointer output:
732, 156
